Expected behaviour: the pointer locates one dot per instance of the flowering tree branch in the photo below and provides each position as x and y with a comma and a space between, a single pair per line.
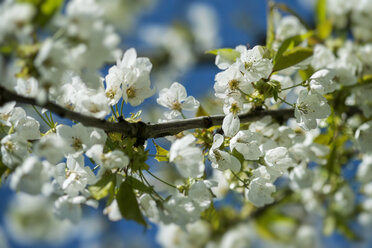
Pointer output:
140, 129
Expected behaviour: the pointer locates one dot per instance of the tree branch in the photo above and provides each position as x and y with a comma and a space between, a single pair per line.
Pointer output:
140, 129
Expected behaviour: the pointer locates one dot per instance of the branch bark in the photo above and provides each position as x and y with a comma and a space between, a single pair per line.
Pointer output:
140, 129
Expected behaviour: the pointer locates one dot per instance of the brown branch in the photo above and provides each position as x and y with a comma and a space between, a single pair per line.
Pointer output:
140, 129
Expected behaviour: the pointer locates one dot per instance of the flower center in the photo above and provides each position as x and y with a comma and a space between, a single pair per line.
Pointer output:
131, 93
234, 108
234, 84
248, 65
176, 105
9, 146
77, 144
110, 94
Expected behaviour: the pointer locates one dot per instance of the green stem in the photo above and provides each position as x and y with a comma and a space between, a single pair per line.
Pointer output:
121, 108
47, 117
183, 116
41, 116
51, 118
114, 113
149, 185
293, 86
161, 180
155, 155
281, 99
241, 180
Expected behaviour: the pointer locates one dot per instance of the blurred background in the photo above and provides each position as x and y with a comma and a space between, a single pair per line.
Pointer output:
174, 34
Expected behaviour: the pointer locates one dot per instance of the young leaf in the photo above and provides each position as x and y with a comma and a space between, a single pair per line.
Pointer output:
321, 11
290, 43
270, 33
201, 112
45, 9
103, 187
229, 53
3, 169
128, 204
323, 26
292, 57
161, 153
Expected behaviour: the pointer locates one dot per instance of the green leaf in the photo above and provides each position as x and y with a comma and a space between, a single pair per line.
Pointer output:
324, 29
323, 26
268, 223
344, 228
321, 11
136, 184
329, 225
270, 33
290, 43
103, 187
306, 74
45, 9
161, 153
3, 169
201, 112
128, 204
292, 57
229, 54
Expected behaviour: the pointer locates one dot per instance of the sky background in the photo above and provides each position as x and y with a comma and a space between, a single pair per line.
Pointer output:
239, 22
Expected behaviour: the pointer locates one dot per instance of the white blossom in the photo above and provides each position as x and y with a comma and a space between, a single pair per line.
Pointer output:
230, 124
231, 81
253, 64
28, 128
132, 75
69, 208
110, 160
259, 192
112, 211
175, 98
301, 178
310, 107
220, 159
278, 161
322, 81
247, 143
13, 150
77, 176
364, 173
80, 138
363, 136
187, 157
344, 200
29, 177
52, 147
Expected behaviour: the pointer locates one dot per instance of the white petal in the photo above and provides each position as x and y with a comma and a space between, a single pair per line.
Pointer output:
230, 125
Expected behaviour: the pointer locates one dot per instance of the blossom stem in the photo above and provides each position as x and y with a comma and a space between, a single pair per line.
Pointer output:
241, 180
293, 86
47, 117
161, 180
114, 113
182, 114
41, 116
155, 155
121, 108
283, 100
144, 180
51, 118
